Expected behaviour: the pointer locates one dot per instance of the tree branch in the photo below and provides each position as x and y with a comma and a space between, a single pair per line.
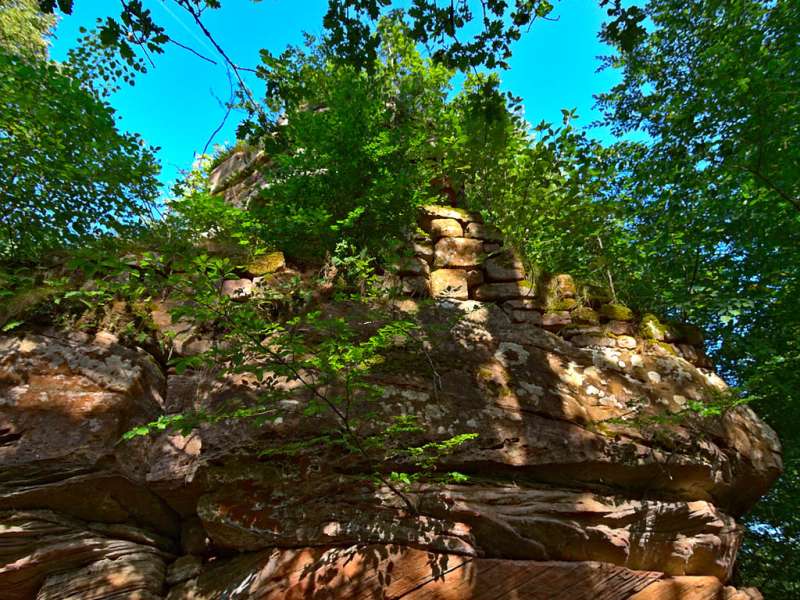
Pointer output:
192, 50
795, 202
196, 16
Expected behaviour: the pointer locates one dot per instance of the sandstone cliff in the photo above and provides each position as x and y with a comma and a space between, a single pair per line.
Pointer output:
578, 486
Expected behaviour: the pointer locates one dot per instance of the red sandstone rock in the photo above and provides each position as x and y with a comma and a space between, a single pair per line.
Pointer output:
445, 228
449, 283
458, 252
549, 414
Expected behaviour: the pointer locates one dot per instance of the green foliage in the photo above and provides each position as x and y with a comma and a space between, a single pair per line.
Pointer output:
24, 29
546, 187
711, 203
463, 34
327, 361
353, 156
278, 339
68, 173
98, 66
406, 144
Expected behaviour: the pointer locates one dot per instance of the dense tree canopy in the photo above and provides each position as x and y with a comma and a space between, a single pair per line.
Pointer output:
68, 173
24, 29
714, 202
698, 220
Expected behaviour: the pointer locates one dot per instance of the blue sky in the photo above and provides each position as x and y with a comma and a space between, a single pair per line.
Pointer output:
176, 105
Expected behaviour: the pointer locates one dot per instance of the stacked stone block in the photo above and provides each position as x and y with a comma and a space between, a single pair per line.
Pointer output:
457, 257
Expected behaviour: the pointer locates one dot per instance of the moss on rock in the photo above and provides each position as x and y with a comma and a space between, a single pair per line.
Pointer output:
562, 304
652, 328
585, 315
266, 264
616, 312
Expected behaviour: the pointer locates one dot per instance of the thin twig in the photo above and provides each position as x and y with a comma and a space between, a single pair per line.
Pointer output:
228, 108
192, 50
196, 16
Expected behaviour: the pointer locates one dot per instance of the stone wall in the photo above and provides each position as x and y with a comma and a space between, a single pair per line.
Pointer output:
457, 257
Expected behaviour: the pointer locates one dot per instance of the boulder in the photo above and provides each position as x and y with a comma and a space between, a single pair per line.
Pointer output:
65, 401
533, 317
387, 571
437, 211
474, 277
556, 319
579, 484
423, 250
411, 265
49, 556
416, 285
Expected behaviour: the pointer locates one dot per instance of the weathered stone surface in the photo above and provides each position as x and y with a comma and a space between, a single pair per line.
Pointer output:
325, 511
598, 341
411, 265
458, 252
237, 289
499, 520
556, 319
64, 403
504, 267
265, 264
683, 588
486, 314
436, 211
521, 304
70, 559
483, 232
749, 593
424, 250
183, 569
563, 469
619, 328
449, 283
417, 285
533, 317
474, 277
504, 291
134, 575
234, 164
676, 538
376, 571
446, 228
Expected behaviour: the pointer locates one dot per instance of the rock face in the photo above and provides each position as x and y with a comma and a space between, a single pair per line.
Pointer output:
573, 492
564, 492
